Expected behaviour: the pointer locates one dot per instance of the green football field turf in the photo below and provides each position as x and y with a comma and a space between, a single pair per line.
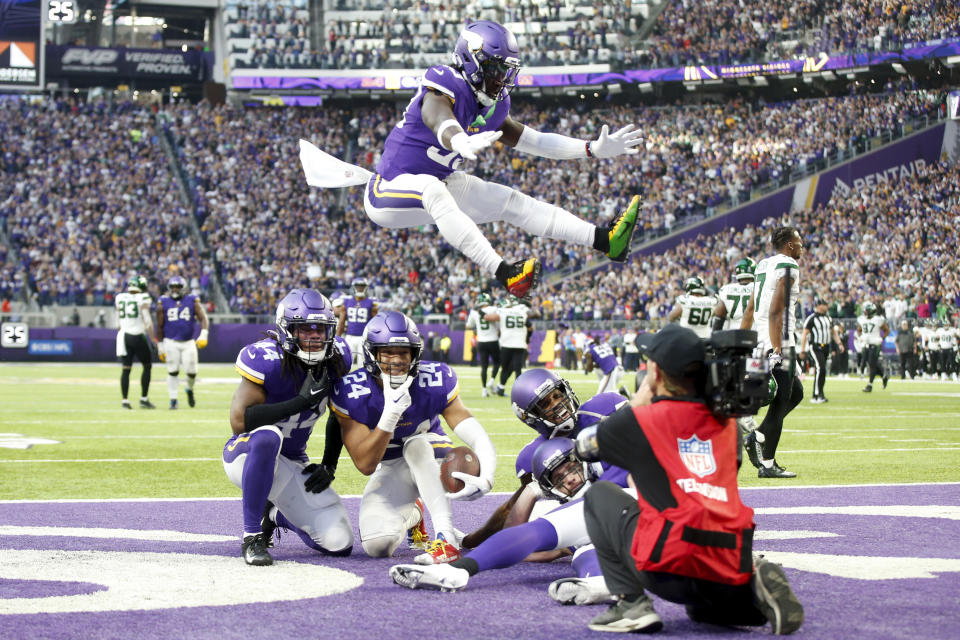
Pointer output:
909, 432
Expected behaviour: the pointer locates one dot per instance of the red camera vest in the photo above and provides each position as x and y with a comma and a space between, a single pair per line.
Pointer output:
709, 534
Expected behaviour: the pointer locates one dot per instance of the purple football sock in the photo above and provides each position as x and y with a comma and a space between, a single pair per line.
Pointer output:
510, 546
263, 447
586, 564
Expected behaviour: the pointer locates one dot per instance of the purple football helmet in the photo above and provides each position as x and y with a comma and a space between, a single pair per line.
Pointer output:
391, 329
489, 57
546, 468
359, 286
176, 286
536, 404
306, 310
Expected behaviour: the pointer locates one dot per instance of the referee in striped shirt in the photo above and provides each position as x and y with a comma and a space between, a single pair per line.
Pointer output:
818, 331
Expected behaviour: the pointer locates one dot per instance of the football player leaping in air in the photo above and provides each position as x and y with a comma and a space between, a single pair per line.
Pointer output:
457, 112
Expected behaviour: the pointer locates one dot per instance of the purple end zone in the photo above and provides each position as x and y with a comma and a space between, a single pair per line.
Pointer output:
508, 603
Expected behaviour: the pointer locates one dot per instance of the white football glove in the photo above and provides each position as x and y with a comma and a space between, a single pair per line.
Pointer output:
621, 142
395, 402
202, 339
773, 359
468, 146
473, 487
161, 351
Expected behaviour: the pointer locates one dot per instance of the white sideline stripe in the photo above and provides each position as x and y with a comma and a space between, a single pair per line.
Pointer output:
499, 455
946, 512
160, 535
782, 487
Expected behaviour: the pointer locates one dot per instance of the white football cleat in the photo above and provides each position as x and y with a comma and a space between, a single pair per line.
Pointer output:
580, 591
439, 577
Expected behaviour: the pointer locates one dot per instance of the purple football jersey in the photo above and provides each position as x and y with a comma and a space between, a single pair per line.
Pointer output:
359, 397
413, 148
603, 356
262, 363
589, 413
359, 313
178, 317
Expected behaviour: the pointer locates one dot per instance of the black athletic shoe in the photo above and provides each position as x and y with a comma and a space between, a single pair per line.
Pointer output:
868, 388
254, 549
636, 616
775, 471
126, 405
773, 596
146, 404
885, 379
753, 448
268, 526
190, 399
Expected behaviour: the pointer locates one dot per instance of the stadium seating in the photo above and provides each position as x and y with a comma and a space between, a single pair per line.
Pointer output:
267, 231
370, 34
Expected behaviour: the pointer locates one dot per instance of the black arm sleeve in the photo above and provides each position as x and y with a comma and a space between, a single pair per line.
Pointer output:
257, 415
333, 444
622, 442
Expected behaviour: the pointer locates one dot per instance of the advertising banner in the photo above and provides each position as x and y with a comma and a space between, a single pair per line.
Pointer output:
325, 80
114, 65
21, 39
889, 165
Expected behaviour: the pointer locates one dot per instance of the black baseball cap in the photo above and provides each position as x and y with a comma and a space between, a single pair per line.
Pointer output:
673, 348
819, 301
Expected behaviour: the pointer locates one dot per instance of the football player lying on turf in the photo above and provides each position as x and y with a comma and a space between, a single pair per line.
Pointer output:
546, 403
389, 413
457, 112
558, 476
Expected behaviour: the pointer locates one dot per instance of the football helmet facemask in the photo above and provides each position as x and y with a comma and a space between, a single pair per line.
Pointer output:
391, 329
695, 286
557, 470
306, 325
487, 55
744, 271
545, 401
176, 286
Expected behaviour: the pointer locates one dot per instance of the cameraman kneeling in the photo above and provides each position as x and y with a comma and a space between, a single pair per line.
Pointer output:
687, 538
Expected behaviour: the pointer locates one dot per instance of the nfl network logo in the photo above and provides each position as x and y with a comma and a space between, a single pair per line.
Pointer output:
697, 454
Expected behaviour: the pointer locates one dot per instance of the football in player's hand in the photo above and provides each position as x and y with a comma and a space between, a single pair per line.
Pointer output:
461, 459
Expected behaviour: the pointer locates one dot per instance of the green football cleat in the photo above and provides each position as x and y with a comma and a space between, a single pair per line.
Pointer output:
621, 232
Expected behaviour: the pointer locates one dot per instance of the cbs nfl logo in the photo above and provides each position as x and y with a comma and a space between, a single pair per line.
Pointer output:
697, 454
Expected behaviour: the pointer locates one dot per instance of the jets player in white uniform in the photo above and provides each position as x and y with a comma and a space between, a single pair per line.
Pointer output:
733, 297
134, 337
512, 318
772, 313
946, 337
694, 308
732, 302
488, 340
873, 330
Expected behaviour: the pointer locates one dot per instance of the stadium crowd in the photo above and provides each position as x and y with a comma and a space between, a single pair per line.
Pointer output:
277, 34
87, 199
727, 32
267, 229
885, 242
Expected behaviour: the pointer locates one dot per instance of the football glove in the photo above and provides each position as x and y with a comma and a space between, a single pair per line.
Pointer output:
620, 142
161, 352
313, 390
321, 477
395, 402
468, 146
473, 487
202, 339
